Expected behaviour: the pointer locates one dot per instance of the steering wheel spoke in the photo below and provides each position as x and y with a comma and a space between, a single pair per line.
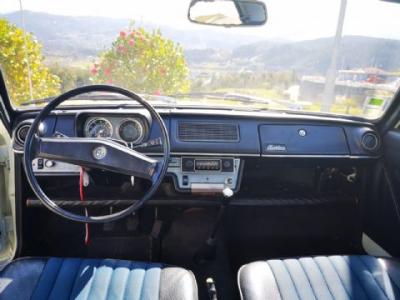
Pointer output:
97, 153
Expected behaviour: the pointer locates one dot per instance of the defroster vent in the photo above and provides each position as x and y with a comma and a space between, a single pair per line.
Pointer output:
208, 132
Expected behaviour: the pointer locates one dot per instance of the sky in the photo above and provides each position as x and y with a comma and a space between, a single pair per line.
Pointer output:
287, 19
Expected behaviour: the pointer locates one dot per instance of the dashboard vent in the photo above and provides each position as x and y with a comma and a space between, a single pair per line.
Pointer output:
370, 141
21, 132
208, 132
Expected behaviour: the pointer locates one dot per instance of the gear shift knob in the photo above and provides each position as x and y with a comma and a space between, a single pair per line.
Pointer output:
227, 192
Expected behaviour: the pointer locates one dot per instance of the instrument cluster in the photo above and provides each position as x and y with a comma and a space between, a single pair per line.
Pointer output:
131, 130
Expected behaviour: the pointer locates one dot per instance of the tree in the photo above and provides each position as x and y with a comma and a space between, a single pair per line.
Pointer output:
70, 77
14, 64
144, 62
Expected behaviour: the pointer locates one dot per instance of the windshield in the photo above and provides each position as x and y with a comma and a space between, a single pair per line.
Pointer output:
332, 56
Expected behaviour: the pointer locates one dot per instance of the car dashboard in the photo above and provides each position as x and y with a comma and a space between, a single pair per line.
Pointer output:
214, 151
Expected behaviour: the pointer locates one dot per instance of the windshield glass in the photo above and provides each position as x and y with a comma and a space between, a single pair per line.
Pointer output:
333, 56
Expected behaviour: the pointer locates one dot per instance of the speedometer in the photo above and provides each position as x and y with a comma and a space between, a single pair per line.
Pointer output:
131, 131
98, 128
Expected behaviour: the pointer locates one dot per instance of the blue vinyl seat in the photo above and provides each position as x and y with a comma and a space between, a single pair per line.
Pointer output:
321, 277
84, 279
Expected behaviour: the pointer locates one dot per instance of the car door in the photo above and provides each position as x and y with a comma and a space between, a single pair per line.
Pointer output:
7, 194
382, 208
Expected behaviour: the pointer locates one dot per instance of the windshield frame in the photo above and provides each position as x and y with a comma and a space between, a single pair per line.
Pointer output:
379, 122
302, 109
394, 106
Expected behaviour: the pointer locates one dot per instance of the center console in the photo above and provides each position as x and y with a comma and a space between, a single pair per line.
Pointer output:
205, 175
190, 174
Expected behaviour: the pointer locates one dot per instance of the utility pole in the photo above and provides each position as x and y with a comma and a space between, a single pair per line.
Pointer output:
28, 63
330, 78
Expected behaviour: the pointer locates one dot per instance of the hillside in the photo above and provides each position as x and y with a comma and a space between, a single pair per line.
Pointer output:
208, 46
314, 55
59, 33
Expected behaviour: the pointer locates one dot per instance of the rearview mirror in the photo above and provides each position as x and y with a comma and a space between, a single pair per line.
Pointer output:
228, 12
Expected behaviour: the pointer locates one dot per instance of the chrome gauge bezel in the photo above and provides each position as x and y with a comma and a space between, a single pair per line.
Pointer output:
140, 126
96, 119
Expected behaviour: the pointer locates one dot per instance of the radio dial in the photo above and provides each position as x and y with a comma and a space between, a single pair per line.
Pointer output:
189, 164
227, 164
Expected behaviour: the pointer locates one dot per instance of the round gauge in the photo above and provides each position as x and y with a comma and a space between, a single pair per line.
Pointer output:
131, 131
98, 128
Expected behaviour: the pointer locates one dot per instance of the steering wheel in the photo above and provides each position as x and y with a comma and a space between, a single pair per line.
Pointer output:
95, 153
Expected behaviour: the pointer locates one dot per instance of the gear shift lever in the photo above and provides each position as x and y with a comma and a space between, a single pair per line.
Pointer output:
208, 250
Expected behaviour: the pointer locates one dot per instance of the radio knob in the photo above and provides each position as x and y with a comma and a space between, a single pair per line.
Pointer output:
229, 180
189, 164
227, 164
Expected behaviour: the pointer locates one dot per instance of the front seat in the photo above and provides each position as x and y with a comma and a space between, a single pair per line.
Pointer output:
75, 278
322, 277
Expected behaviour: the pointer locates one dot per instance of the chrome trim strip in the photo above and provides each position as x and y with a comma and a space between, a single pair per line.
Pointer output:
257, 155
319, 156
215, 154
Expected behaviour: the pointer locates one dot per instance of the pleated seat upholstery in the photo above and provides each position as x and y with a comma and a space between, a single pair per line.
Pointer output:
322, 277
74, 278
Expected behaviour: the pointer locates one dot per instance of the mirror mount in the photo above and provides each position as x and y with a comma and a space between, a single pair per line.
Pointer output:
228, 13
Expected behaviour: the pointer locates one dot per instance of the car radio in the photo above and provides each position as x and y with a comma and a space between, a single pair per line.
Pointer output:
190, 164
205, 175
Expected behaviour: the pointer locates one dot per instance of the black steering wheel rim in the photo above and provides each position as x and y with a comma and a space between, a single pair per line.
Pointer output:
29, 147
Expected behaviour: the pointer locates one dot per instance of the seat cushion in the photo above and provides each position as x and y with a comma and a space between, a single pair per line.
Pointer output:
75, 278
322, 277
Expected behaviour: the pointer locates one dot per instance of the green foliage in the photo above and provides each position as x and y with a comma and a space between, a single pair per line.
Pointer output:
144, 62
15, 68
71, 77
277, 81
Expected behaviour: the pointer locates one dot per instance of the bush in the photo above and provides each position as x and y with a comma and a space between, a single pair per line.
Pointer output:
70, 77
143, 62
15, 67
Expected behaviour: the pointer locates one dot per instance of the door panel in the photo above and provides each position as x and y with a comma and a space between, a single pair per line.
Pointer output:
382, 211
392, 148
7, 207
8, 237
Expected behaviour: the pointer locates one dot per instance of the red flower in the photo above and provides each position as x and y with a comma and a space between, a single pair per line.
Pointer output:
107, 71
157, 93
132, 42
122, 34
121, 49
93, 70
132, 34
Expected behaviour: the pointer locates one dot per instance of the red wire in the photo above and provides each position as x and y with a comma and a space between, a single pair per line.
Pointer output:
82, 198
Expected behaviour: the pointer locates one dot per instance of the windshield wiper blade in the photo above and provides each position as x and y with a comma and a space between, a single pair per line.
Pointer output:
38, 101
86, 96
226, 96
105, 97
